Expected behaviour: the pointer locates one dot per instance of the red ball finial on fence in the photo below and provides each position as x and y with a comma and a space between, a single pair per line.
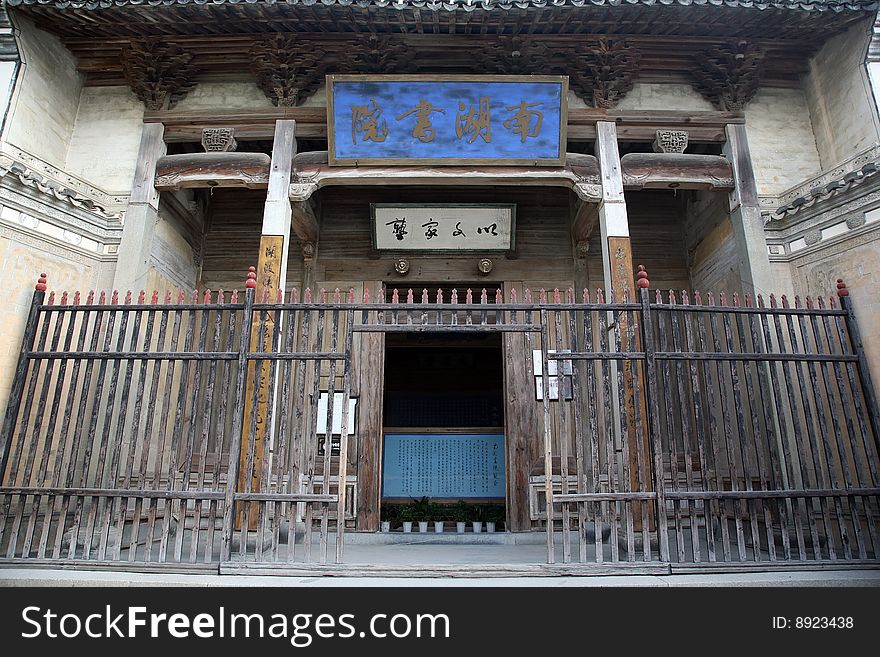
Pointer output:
841, 288
41, 284
251, 278
642, 278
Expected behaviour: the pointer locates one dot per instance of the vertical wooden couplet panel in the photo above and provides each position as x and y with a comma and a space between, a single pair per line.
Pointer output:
268, 265
619, 278
271, 277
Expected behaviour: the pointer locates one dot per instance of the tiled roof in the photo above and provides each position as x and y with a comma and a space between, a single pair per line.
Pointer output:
471, 5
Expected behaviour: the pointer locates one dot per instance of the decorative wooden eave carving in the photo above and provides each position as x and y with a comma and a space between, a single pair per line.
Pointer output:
675, 171
311, 172
378, 53
288, 70
586, 218
250, 170
604, 71
728, 76
158, 72
515, 55
305, 222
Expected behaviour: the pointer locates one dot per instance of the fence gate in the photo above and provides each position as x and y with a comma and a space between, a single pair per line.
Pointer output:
700, 433
604, 498
122, 440
297, 423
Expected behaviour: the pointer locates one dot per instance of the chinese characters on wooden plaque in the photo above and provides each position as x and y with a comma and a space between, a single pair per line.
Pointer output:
443, 227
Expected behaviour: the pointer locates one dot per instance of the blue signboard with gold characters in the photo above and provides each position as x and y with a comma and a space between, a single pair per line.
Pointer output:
439, 119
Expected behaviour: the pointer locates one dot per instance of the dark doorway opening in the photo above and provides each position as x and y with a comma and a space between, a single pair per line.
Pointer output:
444, 381
444, 426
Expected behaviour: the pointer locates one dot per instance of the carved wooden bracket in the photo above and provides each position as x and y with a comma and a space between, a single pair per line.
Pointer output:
377, 53
288, 70
305, 223
604, 71
728, 76
515, 56
158, 72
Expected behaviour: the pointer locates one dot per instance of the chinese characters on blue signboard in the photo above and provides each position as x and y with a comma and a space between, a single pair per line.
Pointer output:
519, 119
443, 465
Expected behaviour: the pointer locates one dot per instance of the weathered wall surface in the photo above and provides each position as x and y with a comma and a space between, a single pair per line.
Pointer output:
651, 95
44, 104
781, 139
856, 260
106, 135
22, 258
839, 96
226, 96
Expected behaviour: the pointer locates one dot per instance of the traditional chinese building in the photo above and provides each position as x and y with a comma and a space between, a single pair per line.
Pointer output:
518, 253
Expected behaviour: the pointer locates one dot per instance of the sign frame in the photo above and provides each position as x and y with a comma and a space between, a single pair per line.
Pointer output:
497, 436
475, 251
481, 161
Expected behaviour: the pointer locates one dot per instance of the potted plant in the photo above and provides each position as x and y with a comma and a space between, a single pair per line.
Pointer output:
405, 514
388, 515
438, 512
495, 516
478, 516
423, 511
461, 512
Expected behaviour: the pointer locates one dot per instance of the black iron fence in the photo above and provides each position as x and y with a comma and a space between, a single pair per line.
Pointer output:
675, 430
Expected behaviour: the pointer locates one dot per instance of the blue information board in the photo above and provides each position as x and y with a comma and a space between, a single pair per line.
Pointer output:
447, 120
443, 465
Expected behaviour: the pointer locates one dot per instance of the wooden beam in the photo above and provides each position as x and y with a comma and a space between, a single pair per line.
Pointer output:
580, 174
250, 170
141, 215
745, 216
271, 277
311, 123
618, 266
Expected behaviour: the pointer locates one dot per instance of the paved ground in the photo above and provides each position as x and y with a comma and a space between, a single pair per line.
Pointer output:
56, 577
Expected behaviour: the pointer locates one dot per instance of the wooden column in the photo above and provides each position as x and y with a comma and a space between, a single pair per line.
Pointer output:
271, 276
617, 264
370, 361
141, 214
745, 215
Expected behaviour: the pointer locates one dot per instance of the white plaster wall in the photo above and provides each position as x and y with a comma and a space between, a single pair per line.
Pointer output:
781, 139
7, 73
106, 137
840, 99
317, 99
226, 96
44, 103
661, 96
